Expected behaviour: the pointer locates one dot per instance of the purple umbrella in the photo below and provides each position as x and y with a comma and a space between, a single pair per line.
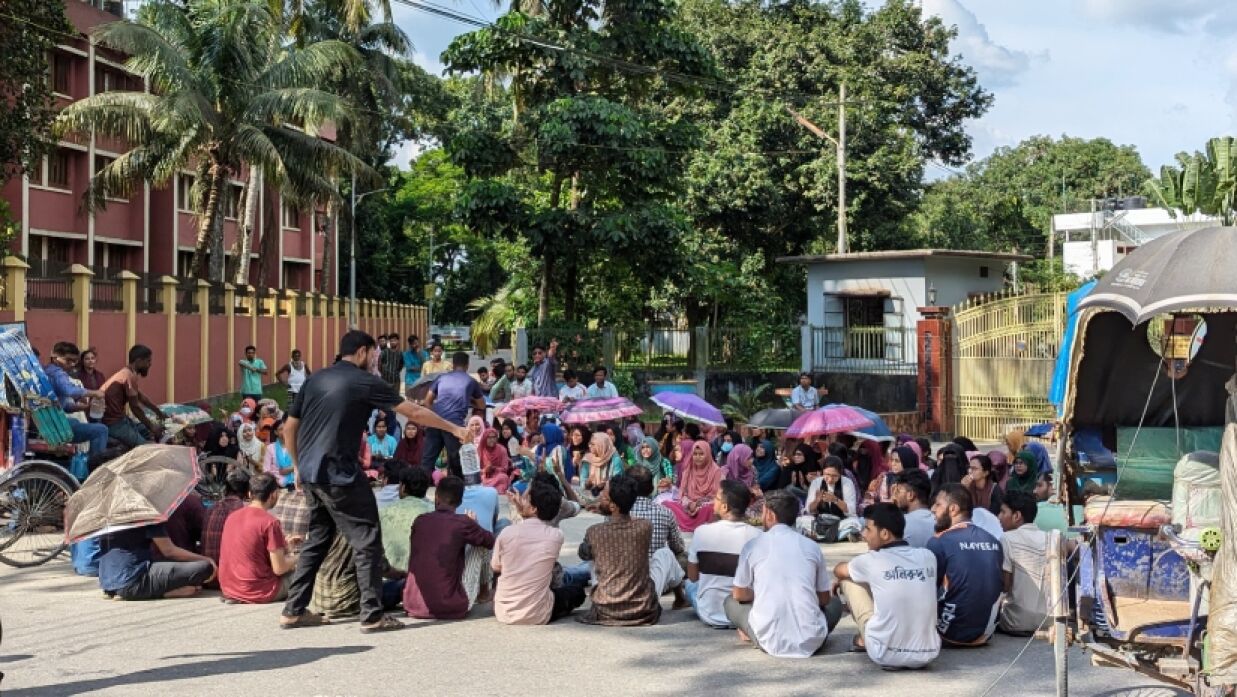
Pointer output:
838, 419
689, 406
587, 411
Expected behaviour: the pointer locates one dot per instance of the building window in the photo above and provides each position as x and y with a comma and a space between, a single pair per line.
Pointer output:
58, 67
111, 80
184, 195
184, 263
232, 201
289, 216
109, 260
56, 173
983, 272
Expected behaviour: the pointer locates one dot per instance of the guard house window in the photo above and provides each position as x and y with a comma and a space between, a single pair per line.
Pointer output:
58, 169
184, 192
290, 217
864, 318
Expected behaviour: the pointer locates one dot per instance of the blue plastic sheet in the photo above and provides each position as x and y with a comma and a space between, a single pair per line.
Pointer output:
1060, 374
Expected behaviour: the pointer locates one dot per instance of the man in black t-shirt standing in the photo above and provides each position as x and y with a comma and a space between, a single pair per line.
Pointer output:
323, 434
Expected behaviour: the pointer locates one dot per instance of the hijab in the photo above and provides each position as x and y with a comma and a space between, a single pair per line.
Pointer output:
1042, 459
1000, 466
493, 456
1025, 483
634, 433
552, 438
250, 447
914, 447
766, 467
876, 457
214, 449
701, 481
736, 460
477, 421
908, 456
653, 463
950, 466
967, 444
408, 450
599, 465
811, 459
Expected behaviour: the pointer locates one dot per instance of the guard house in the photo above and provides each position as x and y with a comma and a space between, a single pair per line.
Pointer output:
862, 308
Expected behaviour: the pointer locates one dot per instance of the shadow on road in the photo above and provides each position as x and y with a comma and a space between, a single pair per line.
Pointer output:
239, 663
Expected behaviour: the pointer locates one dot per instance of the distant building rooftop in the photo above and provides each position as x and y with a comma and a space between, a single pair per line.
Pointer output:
896, 254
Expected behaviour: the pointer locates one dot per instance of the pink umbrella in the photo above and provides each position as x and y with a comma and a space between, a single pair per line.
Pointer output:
586, 411
523, 405
824, 421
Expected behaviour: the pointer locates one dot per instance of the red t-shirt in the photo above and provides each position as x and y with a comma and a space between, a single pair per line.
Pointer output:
245, 573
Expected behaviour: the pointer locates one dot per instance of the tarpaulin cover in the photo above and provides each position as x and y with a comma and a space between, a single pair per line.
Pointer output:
1222, 622
1060, 373
1196, 491
1117, 368
1147, 468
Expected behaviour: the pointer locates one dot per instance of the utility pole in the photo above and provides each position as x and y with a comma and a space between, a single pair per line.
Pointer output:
352, 314
840, 144
1095, 244
429, 300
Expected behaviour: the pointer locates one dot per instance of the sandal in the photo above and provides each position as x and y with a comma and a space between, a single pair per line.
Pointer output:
386, 624
856, 647
305, 619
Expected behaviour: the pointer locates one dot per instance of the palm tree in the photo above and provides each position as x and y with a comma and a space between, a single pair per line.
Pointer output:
496, 314
226, 92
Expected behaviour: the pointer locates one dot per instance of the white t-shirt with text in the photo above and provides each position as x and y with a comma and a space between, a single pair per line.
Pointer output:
902, 631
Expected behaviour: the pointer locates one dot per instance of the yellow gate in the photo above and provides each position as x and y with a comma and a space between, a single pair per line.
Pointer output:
1004, 352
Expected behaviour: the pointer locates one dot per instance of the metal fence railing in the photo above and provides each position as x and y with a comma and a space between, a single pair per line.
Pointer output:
764, 349
106, 295
874, 350
49, 293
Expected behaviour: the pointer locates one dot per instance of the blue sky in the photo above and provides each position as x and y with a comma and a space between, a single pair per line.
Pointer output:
1157, 74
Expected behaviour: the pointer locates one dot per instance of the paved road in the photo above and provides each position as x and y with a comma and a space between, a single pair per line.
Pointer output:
62, 638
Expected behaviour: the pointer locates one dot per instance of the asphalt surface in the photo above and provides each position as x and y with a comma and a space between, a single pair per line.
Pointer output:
61, 637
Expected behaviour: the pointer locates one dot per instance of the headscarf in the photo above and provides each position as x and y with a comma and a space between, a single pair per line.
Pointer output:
918, 453
634, 433
251, 448
876, 456
1016, 441
966, 443
599, 465
213, 449
496, 456
735, 461
578, 453
767, 470
908, 456
685, 445
408, 450
1000, 466
701, 481
477, 421
654, 463
1042, 458
811, 458
1025, 483
552, 437
251, 405
951, 466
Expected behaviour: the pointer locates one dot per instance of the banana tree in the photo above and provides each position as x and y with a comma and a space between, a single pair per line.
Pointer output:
1200, 182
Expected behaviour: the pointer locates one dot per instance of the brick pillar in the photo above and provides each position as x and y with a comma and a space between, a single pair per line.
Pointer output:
935, 344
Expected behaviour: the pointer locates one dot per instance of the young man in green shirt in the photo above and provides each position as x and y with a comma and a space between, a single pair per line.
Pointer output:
252, 370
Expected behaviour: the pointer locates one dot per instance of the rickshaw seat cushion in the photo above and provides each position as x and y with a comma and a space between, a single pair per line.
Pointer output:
1127, 514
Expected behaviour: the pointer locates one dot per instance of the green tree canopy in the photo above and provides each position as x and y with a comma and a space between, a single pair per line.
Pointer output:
28, 34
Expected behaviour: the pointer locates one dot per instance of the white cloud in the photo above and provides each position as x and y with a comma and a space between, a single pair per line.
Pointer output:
1173, 16
997, 65
431, 64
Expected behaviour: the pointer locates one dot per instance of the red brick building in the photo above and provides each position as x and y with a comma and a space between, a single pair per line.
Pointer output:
152, 231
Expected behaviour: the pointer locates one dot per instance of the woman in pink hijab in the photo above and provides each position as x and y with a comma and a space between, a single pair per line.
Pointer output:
701, 478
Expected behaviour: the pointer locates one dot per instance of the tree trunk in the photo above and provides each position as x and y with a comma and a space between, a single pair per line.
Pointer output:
571, 285
547, 262
268, 250
328, 248
245, 238
208, 248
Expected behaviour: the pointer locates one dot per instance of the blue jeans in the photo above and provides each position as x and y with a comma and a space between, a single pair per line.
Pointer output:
690, 588
127, 431
95, 434
578, 574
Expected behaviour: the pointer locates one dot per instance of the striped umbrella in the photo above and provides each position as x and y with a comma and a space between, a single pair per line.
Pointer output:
690, 407
838, 419
878, 431
523, 405
587, 411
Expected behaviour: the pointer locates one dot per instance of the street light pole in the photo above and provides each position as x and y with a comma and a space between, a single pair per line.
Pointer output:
352, 313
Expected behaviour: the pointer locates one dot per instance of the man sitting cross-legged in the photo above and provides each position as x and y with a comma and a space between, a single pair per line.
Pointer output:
254, 563
524, 558
713, 555
434, 588
891, 593
781, 599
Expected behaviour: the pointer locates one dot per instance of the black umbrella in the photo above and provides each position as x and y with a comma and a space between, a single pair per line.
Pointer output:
773, 419
421, 388
1188, 270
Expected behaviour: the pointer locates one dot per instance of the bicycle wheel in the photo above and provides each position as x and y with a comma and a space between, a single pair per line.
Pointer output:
32, 519
214, 471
